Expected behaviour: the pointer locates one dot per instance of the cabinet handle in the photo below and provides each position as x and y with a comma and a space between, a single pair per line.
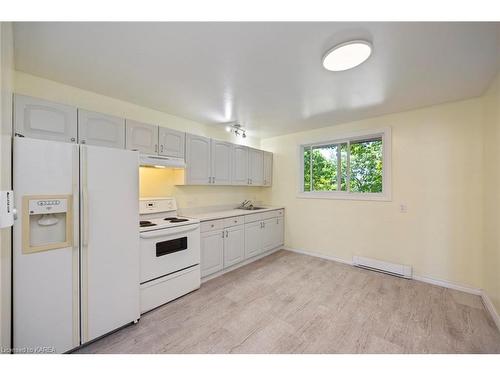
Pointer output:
227, 234
161, 148
222, 234
83, 141
72, 139
210, 180
213, 180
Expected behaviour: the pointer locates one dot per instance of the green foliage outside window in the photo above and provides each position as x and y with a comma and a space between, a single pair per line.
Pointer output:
366, 166
365, 171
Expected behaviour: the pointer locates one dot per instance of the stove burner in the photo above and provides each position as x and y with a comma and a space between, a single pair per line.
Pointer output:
146, 223
169, 218
178, 220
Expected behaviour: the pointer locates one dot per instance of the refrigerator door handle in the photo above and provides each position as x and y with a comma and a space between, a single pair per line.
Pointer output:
84, 249
76, 247
85, 199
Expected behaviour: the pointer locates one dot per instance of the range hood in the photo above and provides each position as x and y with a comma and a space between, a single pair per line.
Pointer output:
161, 161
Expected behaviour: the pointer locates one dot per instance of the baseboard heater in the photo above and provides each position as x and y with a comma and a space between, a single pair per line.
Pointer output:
394, 269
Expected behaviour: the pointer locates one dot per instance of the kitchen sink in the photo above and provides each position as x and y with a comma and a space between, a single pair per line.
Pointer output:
251, 208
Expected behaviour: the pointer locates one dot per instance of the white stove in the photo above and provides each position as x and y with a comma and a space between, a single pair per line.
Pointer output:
170, 252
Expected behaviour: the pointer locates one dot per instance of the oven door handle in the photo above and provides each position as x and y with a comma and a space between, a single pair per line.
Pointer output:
161, 233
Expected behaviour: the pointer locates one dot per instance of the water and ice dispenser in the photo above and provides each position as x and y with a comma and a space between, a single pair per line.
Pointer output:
47, 223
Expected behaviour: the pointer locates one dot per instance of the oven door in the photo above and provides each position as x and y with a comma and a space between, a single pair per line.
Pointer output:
165, 251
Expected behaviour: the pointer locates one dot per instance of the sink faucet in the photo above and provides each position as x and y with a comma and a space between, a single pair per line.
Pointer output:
244, 203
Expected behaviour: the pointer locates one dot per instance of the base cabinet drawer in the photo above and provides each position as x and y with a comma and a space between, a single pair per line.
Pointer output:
212, 252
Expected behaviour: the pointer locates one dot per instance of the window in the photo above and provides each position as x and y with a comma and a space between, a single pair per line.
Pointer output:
354, 167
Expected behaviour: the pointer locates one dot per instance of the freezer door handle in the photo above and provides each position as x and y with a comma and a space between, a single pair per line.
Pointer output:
85, 199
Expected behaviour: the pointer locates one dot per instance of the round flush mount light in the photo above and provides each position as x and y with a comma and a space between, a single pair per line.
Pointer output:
347, 55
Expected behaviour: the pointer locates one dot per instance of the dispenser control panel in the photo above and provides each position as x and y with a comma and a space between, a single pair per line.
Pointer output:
47, 206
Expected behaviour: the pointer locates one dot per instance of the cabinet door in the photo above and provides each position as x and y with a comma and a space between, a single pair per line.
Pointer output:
240, 165
221, 162
141, 137
269, 236
198, 160
212, 249
172, 143
256, 167
253, 239
268, 168
100, 130
234, 245
279, 232
37, 118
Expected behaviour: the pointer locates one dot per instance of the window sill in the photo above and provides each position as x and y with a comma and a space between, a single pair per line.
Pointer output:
346, 196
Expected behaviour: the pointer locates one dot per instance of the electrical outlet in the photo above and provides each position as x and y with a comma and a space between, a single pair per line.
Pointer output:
403, 208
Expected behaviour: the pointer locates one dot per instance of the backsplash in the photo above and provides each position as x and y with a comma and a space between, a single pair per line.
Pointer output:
156, 182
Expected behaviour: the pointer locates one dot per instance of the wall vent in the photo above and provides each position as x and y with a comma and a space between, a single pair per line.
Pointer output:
394, 269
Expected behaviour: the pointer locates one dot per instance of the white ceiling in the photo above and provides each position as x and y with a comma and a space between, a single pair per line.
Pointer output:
268, 76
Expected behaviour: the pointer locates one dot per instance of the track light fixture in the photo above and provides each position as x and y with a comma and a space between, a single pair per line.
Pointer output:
237, 129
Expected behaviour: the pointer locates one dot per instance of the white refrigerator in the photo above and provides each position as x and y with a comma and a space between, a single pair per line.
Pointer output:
75, 243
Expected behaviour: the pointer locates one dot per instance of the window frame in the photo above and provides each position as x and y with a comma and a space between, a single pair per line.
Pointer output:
385, 195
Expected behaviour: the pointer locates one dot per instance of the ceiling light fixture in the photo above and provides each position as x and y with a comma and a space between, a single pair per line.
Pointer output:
347, 55
237, 129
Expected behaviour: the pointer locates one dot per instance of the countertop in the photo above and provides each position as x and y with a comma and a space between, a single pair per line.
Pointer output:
222, 214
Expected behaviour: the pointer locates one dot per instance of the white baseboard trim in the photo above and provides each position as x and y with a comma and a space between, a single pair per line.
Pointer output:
245, 262
448, 284
425, 279
488, 305
318, 255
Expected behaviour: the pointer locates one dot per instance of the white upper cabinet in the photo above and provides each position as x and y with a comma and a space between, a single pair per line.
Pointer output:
37, 118
240, 165
141, 137
198, 161
255, 167
214, 162
172, 143
100, 130
268, 168
221, 162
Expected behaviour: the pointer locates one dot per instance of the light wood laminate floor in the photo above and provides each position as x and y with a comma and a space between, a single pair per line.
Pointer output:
292, 303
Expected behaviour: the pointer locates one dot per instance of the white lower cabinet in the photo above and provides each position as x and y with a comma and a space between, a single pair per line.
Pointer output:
227, 242
212, 252
234, 245
269, 229
279, 232
253, 239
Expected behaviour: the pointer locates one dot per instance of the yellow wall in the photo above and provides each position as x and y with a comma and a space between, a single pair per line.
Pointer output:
436, 172
491, 183
156, 182
6, 84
